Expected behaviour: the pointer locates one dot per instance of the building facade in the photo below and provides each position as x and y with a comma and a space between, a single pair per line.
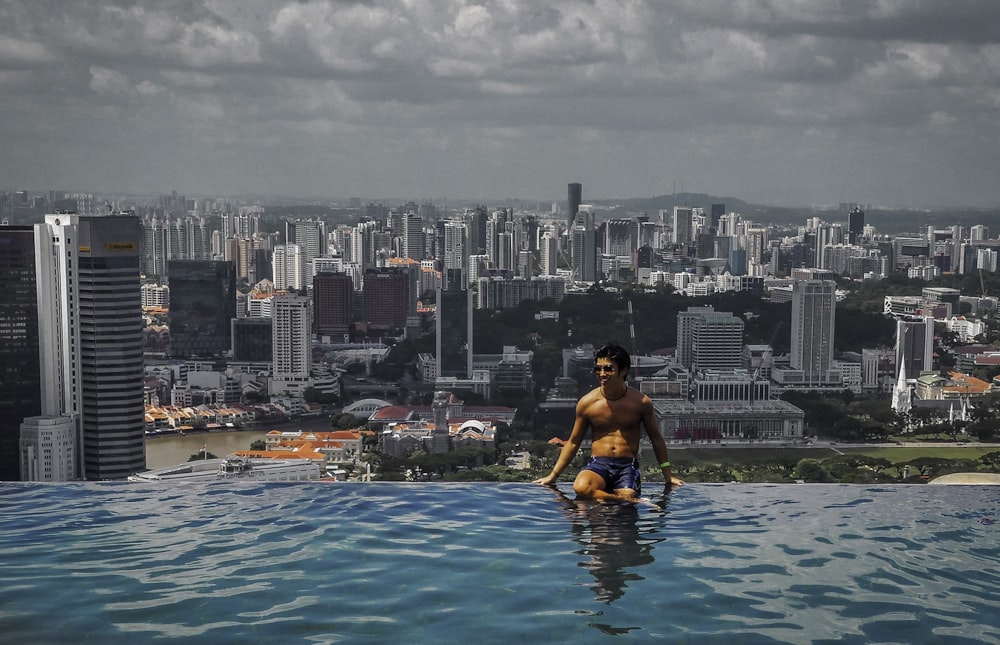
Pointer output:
90, 320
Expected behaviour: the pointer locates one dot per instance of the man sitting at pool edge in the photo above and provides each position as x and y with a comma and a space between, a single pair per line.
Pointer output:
613, 412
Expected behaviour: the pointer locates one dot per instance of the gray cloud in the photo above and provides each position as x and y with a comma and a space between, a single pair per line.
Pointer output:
774, 101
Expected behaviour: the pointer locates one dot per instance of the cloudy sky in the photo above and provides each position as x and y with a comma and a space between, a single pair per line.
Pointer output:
791, 102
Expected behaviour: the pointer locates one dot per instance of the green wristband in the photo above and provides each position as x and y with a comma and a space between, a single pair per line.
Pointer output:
665, 464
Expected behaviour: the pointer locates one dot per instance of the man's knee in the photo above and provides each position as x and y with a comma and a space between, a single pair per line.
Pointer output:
585, 485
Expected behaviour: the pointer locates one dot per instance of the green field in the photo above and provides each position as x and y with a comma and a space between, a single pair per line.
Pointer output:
740, 455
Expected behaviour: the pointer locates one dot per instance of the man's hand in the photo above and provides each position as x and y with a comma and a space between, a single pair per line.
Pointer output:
546, 481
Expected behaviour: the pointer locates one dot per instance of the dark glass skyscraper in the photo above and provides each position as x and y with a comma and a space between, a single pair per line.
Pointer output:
20, 391
252, 341
574, 199
454, 327
855, 224
202, 304
333, 304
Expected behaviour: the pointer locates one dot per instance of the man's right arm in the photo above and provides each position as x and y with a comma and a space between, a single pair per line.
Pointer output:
571, 447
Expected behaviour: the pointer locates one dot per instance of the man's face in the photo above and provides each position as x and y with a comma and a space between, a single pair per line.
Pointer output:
606, 370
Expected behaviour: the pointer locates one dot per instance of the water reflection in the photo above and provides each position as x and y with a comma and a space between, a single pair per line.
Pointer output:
614, 540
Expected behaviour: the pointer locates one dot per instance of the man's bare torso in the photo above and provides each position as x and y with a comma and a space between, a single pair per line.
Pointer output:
615, 425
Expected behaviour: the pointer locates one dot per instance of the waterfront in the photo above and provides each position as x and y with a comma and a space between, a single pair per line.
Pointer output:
170, 450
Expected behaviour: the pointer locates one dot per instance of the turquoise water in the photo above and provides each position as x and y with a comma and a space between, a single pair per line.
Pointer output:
488, 563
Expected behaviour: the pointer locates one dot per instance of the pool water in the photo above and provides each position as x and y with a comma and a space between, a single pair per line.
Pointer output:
497, 563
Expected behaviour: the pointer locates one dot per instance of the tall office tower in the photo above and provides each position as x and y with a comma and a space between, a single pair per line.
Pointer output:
456, 250
855, 225
526, 264
245, 224
188, 238
154, 247
413, 236
288, 266
529, 227
621, 237
709, 339
202, 304
199, 238
90, 338
292, 339
310, 236
682, 225
574, 199
506, 251
915, 346
20, 380
717, 211
728, 224
453, 327
814, 309
333, 304
978, 233
986, 259
476, 221
756, 243
584, 249
549, 254
386, 299
363, 247
245, 266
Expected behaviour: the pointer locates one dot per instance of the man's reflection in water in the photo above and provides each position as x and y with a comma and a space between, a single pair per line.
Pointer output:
610, 537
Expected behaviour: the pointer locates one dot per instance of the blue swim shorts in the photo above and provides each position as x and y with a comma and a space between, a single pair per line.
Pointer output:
617, 472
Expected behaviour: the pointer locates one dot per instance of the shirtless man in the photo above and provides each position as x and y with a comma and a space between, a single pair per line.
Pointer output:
613, 413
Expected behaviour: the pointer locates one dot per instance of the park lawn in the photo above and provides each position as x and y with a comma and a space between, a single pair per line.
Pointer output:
909, 453
741, 455
746, 455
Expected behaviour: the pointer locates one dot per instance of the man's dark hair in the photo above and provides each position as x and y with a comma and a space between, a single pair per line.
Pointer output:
616, 354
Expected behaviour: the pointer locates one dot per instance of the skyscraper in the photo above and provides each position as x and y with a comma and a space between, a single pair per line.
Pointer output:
202, 304
584, 249
814, 308
682, 231
90, 336
574, 199
386, 296
20, 380
333, 304
855, 225
453, 327
709, 339
915, 346
292, 340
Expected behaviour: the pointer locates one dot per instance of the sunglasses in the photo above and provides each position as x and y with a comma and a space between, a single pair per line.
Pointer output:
605, 369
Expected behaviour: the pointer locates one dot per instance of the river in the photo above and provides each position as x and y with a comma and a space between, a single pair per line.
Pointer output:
170, 450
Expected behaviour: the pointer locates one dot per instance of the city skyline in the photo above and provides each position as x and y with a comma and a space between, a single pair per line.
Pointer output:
775, 102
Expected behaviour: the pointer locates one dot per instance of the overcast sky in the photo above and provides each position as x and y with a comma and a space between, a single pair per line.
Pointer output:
784, 102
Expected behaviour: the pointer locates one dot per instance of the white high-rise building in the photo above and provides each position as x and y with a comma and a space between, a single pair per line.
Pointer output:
90, 338
292, 339
288, 267
413, 236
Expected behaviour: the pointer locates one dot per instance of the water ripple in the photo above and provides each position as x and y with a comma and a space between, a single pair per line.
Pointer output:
321, 563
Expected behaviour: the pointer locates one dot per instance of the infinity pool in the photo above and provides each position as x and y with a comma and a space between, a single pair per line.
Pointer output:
497, 563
